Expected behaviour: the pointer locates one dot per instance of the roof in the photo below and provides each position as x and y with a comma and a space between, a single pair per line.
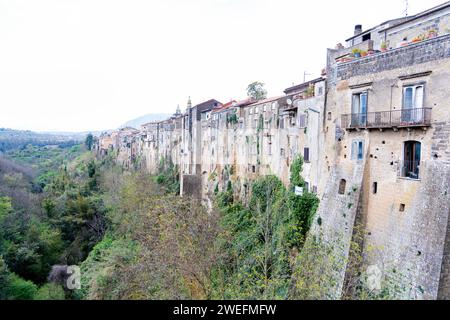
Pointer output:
400, 21
422, 14
395, 22
207, 105
303, 85
149, 123
245, 102
224, 106
266, 101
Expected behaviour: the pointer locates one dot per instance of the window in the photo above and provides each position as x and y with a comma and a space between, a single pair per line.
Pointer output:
303, 121
306, 154
375, 187
306, 186
320, 91
329, 116
357, 150
411, 160
359, 109
412, 110
342, 185
314, 189
282, 152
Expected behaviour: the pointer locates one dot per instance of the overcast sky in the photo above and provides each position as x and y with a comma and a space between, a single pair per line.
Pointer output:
79, 65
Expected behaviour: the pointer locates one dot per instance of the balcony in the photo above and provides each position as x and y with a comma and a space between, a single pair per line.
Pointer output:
406, 118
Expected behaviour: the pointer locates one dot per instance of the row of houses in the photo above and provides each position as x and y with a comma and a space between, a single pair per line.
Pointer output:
374, 133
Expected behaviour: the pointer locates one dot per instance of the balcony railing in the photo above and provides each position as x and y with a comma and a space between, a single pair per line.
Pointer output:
388, 119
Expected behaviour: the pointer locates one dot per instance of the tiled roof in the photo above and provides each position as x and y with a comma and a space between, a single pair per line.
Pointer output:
224, 106
209, 103
304, 85
266, 100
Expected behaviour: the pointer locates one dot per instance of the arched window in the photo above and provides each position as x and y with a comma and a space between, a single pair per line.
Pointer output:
342, 185
411, 160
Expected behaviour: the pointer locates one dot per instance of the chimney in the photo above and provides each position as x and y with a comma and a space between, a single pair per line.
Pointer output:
358, 29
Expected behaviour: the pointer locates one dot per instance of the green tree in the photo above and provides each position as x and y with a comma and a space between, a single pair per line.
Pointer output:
20, 289
50, 291
89, 141
4, 277
256, 91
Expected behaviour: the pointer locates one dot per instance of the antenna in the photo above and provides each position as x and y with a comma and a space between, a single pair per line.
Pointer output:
304, 76
406, 8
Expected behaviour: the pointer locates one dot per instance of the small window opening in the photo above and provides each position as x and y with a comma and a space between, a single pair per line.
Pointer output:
402, 207
342, 185
375, 187
306, 154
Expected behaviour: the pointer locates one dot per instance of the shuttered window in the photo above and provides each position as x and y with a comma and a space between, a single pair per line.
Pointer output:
306, 154
357, 150
303, 121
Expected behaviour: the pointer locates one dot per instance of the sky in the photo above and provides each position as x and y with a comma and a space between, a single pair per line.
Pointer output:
81, 65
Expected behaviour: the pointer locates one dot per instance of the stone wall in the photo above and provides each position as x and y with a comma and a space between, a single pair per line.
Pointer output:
425, 51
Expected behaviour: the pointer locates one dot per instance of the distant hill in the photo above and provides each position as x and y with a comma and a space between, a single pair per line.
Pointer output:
136, 123
12, 139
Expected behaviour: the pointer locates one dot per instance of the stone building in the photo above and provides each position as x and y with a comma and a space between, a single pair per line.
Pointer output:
386, 156
374, 133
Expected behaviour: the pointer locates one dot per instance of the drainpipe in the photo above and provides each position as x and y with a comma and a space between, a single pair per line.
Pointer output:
390, 107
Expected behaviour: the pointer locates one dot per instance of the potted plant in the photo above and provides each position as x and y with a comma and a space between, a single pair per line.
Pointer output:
432, 33
383, 46
419, 38
363, 53
356, 53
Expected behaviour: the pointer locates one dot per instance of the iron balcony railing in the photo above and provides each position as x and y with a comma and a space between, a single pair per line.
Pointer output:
388, 119
409, 169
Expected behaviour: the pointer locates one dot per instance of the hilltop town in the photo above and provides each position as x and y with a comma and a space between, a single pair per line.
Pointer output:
374, 134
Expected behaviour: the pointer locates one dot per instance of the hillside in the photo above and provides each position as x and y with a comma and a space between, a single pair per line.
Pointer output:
13, 139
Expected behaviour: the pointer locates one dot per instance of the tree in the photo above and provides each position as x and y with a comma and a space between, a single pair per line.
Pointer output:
4, 276
50, 291
89, 141
256, 91
20, 289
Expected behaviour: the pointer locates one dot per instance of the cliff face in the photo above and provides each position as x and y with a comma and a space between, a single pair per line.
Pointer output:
375, 137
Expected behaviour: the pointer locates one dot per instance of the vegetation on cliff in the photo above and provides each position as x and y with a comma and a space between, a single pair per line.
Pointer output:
135, 238
51, 212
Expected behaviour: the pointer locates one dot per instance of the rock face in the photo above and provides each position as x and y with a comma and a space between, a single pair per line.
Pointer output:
375, 137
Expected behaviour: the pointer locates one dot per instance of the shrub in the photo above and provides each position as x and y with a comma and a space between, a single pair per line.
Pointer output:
50, 291
20, 289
